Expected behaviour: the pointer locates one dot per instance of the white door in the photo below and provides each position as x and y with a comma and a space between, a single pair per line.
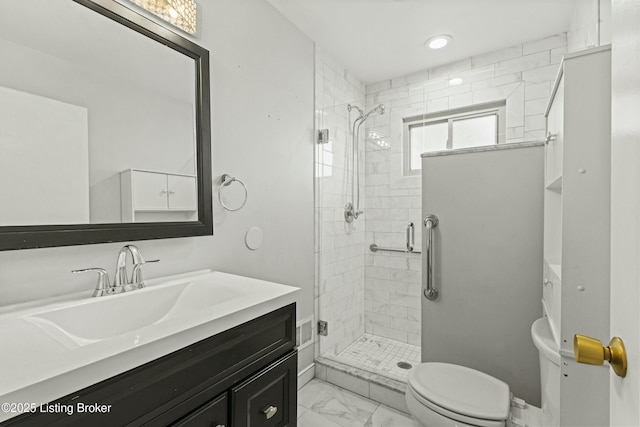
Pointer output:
625, 207
183, 194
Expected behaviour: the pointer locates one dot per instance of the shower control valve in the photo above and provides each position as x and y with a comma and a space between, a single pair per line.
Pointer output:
350, 213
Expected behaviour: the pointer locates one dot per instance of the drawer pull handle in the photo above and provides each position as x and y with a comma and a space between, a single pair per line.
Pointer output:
269, 411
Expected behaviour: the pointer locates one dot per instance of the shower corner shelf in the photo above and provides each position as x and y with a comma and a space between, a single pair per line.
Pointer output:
555, 185
556, 269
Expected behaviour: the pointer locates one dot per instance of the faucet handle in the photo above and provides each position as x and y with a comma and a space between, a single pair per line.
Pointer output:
103, 286
136, 275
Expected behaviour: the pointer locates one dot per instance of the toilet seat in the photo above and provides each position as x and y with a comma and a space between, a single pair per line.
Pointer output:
460, 393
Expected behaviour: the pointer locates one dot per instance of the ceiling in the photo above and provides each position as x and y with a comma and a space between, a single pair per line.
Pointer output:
383, 39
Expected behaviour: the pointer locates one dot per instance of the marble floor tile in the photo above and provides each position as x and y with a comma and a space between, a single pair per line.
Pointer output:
385, 416
311, 419
332, 406
301, 411
312, 391
345, 408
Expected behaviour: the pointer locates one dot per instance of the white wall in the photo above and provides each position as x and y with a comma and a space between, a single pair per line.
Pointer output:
262, 120
262, 101
590, 24
488, 263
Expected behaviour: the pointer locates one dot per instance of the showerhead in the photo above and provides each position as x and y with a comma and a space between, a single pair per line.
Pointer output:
379, 109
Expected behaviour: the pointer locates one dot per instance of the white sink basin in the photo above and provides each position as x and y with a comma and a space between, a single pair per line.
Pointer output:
55, 347
92, 320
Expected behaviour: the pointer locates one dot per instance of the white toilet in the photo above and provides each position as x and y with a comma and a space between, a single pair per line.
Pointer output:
442, 394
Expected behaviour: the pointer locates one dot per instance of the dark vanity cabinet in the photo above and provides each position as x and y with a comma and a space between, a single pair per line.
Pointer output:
243, 377
212, 414
267, 399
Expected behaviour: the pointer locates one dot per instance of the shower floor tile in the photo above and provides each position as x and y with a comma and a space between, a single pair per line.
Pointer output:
381, 355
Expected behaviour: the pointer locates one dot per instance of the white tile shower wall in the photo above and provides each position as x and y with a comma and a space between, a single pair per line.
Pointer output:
339, 246
521, 75
590, 25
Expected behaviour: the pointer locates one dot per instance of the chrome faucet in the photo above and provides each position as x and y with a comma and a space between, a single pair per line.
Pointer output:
121, 282
103, 287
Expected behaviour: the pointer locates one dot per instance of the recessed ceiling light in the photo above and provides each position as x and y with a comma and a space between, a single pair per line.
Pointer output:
456, 81
438, 42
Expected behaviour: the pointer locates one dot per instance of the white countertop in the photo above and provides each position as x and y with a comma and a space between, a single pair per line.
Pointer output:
37, 368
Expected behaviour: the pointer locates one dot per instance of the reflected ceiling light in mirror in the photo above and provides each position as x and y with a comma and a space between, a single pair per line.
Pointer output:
438, 42
456, 81
181, 13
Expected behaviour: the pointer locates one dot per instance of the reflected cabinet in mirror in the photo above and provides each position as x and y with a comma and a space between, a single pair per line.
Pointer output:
105, 130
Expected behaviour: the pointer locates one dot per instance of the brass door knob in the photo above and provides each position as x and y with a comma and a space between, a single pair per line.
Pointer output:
592, 352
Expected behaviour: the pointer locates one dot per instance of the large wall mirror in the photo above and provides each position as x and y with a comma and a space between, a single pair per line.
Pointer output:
104, 126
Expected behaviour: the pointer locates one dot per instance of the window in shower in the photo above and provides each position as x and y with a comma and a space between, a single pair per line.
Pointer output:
449, 130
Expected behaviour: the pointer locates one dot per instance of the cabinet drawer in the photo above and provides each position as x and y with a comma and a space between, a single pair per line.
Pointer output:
268, 399
211, 414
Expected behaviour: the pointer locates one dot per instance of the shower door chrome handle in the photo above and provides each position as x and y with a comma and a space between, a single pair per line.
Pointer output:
430, 292
410, 237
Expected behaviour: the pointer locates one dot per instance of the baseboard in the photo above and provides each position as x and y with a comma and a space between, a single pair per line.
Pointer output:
306, 375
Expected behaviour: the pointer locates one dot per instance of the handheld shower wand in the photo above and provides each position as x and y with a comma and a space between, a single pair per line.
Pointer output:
352, 209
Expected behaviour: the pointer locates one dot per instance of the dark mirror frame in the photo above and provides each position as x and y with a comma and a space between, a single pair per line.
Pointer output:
37, 236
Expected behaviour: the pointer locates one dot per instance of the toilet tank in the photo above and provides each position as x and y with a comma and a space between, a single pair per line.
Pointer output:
549, 355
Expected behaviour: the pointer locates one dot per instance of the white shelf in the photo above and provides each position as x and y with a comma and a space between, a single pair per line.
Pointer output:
557, 270
552, 322
555, 185
578, 123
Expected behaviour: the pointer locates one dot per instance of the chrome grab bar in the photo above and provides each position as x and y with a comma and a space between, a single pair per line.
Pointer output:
430, 292
375, 248
410, 242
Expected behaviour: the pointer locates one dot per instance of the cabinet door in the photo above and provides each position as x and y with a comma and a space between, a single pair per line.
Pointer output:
182, 193
269, 398
211, 414
149, 191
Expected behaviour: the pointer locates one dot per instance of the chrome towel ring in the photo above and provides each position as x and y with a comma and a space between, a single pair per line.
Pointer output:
227, 180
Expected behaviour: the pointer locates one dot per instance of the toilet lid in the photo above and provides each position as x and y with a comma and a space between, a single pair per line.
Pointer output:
462, 390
